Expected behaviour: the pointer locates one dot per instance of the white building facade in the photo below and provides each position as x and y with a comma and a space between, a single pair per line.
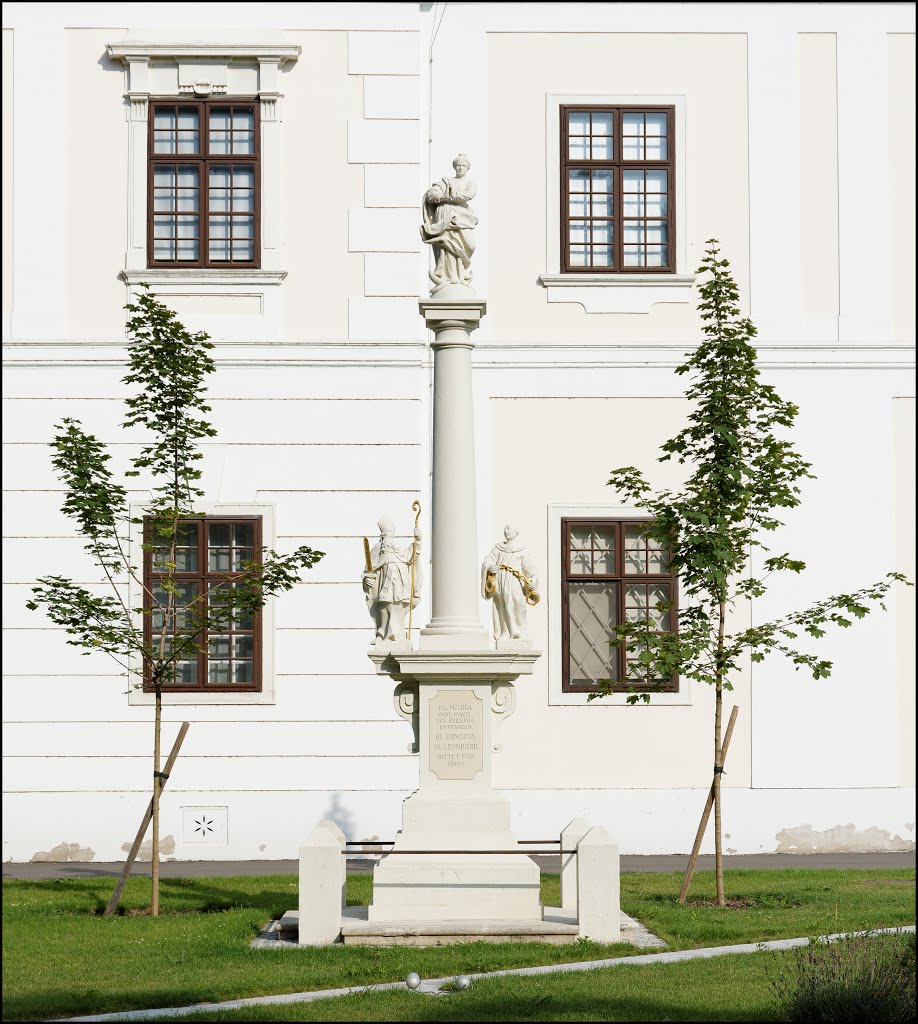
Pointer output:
787, 133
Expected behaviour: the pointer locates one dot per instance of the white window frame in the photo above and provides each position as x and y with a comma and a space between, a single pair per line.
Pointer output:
208, 69
556, 696
268, 694
611, 293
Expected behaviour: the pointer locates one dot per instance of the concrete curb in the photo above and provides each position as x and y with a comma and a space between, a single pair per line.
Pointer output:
431, 985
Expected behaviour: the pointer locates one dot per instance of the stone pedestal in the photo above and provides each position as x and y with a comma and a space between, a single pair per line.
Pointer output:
455, 701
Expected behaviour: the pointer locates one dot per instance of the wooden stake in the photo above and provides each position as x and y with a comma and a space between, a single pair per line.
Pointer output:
690, 870
144, 825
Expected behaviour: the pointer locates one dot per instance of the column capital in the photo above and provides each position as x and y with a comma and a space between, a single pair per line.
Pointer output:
448, 312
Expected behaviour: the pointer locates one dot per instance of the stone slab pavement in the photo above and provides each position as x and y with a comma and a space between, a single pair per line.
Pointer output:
669, 862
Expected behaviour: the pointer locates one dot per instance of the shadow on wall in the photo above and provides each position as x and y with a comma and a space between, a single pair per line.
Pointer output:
337, 811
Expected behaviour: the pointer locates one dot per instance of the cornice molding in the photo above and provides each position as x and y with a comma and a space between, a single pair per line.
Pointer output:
128, 50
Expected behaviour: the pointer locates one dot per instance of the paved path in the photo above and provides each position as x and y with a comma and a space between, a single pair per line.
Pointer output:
431, 985
673, 862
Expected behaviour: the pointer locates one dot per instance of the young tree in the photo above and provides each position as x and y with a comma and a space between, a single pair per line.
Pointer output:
743, 475
168, 368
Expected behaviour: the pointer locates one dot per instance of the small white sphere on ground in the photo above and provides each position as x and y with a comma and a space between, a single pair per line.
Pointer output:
413, 980
463, 982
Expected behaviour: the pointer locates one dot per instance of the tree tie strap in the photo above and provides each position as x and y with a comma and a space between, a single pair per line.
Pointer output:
718, 769
160, 775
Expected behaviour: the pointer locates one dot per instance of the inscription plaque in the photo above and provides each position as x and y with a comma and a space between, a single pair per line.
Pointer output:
456, 733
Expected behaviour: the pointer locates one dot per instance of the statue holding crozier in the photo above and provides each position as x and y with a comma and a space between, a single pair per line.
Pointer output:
391, 581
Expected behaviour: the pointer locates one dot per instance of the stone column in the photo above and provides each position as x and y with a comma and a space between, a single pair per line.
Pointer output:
455, 556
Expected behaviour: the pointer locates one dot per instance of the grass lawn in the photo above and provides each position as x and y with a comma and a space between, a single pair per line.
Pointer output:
62, 960
730, 988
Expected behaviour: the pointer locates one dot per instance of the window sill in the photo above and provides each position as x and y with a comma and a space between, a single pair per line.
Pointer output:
203, 275
624, 293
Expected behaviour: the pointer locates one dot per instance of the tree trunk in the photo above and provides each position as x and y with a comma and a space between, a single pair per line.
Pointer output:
157, 787
718, 762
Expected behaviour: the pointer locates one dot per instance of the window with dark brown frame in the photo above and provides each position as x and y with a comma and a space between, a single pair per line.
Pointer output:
208, 552
204, 189
617, 189
611, 573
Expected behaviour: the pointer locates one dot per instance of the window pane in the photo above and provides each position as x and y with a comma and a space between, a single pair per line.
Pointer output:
243, 672
655, 149
593, 612
602, 256
633, 148
243, 228
578, 256
632, 123
243, 142
578, 181
188, 119
163, 227
241, 555
602, 148
218, 559
243, 251
187, 142
243, 177
581, 537
655, 124
163, 142
579, 148
243, 646
163, 119
172, 610
601, 181
186, 250
602, 206
219, 177
579, 205
218, 534
635, 256
187, 176
633, 231
602, 123
657, 256
218, 646
244, 200
243, 119
187, 227
579, 231
163, 250
219, 227
602, 231
186, 673
163, 177
218, 672
244, 535
219, 143
578, 123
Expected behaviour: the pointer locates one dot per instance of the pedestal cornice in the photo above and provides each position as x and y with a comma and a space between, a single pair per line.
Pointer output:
440, 313
455, 666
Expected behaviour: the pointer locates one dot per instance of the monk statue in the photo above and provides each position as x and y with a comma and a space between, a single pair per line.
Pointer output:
449, 225
509, 580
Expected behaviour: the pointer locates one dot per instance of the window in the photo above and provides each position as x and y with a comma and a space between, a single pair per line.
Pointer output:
208, 551
611, 573
204, 189
617, 184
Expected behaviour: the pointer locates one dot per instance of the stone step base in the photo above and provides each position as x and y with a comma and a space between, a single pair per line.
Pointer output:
356, 930
557, 927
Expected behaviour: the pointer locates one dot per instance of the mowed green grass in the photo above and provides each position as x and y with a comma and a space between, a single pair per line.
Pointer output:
726, 988
61, 959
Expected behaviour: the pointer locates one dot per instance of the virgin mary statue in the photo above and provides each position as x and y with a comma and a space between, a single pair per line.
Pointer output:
449, 226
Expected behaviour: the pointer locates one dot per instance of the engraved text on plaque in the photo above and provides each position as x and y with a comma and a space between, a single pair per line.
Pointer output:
456, 734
